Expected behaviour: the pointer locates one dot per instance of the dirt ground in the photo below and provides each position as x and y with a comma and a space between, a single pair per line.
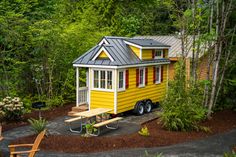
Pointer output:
221, 122
47, 114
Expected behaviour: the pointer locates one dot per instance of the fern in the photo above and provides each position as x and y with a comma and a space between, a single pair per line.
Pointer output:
38, 125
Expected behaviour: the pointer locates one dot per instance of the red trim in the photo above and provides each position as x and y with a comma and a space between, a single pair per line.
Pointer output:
164, 53
162, 73
137, 77
146, 76
153, 54
154, 74
127, 79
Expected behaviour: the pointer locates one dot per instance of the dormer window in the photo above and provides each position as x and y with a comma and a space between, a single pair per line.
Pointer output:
158, 54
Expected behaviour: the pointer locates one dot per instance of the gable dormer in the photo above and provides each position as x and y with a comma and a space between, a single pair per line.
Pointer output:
147, 49
102, 54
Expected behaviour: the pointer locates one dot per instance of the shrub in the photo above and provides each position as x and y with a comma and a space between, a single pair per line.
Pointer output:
38, 125
13, 108
90, 128
144, 131
55, 102
182, 109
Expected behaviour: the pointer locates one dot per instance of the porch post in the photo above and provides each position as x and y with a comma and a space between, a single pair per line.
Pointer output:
77, 86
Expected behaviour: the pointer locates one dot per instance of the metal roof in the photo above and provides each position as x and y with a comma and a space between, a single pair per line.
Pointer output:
118, 50
175, 43
147, 42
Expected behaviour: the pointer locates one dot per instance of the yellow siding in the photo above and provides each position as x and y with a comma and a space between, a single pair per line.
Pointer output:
166, 53
102, 99
135, 50
146, 54
128, 98
102, 55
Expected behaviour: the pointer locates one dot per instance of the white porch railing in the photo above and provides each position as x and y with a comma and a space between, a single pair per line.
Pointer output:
83, 95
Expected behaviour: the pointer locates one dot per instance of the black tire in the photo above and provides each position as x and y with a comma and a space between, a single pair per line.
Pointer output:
148, 106
139, 108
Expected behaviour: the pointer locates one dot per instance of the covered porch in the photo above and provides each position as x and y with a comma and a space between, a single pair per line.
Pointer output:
82, 90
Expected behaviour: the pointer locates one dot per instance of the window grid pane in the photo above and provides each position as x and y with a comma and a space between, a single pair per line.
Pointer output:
141, 81
102, 79
109, 79
157, 74
158, 53
121, 79
95, 83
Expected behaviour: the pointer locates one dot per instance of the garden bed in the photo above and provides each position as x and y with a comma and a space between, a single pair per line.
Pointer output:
47, 114
221, 122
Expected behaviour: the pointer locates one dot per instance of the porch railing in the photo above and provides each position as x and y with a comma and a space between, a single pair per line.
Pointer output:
83, 95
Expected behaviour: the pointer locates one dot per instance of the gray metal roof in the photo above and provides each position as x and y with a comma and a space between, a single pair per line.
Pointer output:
175, 43
118, 50
147, 42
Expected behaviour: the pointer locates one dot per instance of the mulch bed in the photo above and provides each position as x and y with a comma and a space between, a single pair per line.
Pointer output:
222, 121
47, 114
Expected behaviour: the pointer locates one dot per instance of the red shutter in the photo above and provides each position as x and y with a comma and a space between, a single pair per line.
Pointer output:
137, 77
127, 79
153, 54
162, 73
154, 74
146, 76
164, 53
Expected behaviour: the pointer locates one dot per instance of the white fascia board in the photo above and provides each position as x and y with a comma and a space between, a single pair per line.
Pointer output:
141, 47
142, 65
132, 44
100, 51
156, 48
118, 67
94, 66
103, 41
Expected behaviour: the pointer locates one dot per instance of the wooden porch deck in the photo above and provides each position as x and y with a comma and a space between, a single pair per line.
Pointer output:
81, 108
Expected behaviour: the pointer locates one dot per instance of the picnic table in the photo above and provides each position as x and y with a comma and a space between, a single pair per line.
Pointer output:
87, 115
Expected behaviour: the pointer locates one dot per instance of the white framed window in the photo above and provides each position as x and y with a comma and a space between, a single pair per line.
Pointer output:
158, 54
158, 74
121, 80
102, 79
141, 77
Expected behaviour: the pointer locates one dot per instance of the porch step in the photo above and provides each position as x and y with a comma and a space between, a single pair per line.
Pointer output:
76, 109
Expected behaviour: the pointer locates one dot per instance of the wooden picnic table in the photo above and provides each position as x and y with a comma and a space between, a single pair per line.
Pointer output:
92, 112
86, 115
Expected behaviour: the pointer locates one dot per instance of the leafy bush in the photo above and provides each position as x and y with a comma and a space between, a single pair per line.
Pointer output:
56, 101
90, 128
13, 108
182, 109
144, 131
38, 125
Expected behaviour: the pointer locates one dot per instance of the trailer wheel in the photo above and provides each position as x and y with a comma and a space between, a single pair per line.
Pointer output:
139, 108
148, 106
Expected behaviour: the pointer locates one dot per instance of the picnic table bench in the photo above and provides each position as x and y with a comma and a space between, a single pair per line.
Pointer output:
69, 121
92, 113
105, 123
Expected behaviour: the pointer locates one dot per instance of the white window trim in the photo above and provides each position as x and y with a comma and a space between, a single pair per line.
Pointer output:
144, 78
100, 51
158, 82
157, 57
124, 80
99, 80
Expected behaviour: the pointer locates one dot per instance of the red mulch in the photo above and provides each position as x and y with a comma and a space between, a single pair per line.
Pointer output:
222, 121
47, 114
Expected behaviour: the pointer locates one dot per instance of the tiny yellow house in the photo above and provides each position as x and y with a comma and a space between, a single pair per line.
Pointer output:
123, 74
